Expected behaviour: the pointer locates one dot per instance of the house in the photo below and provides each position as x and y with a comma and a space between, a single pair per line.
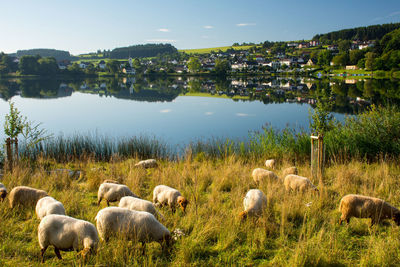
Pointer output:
102, 65
332, 47
83, 65
311, 62
286, 61
351, 67
259, 58
128, 70
314, 43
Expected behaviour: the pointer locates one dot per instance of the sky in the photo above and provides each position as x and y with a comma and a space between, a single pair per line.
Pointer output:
88, 25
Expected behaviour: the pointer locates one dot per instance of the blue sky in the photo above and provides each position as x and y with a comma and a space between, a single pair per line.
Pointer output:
87, 25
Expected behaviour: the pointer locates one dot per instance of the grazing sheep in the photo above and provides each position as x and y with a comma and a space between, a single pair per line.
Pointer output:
166, 195
49, 205
132, 225
254, 203
133, 203
260, 175
367, 207
3, 192
270, 164
66, 233
290, 170
298, 183
111, 181
148, 163
113, 192
25, 196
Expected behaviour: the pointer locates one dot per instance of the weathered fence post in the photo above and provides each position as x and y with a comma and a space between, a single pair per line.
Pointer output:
317, 157
12, 153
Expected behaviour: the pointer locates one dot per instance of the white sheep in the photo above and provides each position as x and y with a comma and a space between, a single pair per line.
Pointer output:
148, 163
49, 205
298, 183
260, 175
270, 164
25, 196
3, 192
140, 226
67, 233
165, 195
290, 170
113, 192
254, 203
133, 203
367, 207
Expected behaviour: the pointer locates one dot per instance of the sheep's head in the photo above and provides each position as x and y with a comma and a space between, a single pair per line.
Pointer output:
3, 195
183, 202
396, 218
243, 215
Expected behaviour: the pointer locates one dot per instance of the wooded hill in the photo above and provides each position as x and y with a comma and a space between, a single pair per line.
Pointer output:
373, 32
44, 52
147, 50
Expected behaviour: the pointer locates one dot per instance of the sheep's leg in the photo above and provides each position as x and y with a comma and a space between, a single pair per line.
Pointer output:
42, 253
57, 251
98, 202
108, 203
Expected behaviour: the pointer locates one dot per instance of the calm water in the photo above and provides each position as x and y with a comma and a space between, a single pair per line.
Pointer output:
161, 108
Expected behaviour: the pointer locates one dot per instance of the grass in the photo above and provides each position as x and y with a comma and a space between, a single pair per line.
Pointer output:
289, 233
215, 49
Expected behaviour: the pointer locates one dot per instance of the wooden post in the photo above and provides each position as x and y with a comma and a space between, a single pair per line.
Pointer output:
320, 157
16, 149
9, 154
317, 158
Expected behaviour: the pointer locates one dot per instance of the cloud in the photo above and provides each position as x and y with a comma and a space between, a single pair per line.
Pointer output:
165, 110
163, 30
209, 113
244, 115
245, 24
205, 37
208, 27
391, 15
161, 40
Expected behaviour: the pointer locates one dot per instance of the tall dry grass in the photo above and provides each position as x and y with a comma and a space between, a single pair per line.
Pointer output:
290, 233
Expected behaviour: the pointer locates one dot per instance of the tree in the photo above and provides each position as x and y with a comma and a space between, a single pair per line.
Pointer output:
222, 67
194, 64
29, 64
355, 56
47, 66
112, 66
324, 58
370, 60
341, 59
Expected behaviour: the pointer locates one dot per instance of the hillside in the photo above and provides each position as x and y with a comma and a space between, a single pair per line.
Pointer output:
147, 50
44, 52
372, 32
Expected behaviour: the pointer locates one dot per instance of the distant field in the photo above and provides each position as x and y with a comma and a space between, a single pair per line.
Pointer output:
208, 50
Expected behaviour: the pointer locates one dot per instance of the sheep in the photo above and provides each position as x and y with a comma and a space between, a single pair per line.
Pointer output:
367, 207
298, 183
259, 175
111, 181
49, 205
25, 196
254, 204
113, 192
149, 163
3, 192
133, 203
270, 164
132, 225
165, 195
290, 170
66, 233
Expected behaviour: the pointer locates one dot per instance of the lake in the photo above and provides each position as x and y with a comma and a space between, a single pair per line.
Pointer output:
179, 110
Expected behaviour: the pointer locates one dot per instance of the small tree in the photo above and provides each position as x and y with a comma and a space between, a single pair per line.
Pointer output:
14, 122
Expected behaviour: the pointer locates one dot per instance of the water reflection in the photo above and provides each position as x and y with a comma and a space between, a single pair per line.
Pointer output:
348, 96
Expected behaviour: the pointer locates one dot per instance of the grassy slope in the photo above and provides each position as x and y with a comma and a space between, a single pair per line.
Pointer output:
215, 49
290, 234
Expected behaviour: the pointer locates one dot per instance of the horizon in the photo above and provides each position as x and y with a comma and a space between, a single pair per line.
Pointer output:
85, 27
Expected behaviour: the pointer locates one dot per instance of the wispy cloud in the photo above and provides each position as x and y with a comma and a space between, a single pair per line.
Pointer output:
244, 115
208, 27
245, 24
161, 40
391, 15
209, 113
165, 110
163, 30
205, 37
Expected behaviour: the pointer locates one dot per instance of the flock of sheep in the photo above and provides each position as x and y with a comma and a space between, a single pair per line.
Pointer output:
138, 219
